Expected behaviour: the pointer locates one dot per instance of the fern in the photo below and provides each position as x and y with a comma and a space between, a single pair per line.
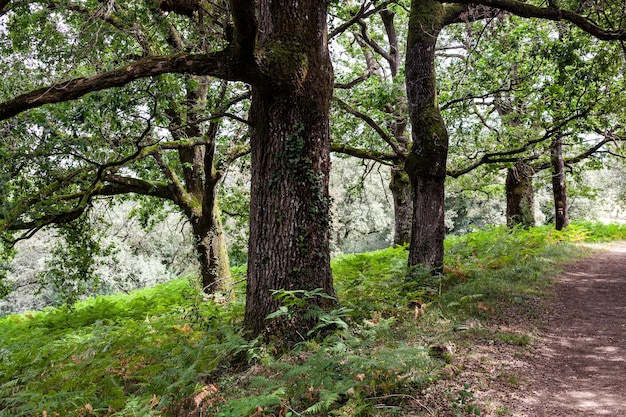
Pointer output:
247, 406
147, 353
327, 399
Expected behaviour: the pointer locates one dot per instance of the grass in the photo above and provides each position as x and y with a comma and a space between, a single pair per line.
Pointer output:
169, 350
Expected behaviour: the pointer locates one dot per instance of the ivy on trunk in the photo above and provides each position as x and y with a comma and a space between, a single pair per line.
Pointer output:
290, 147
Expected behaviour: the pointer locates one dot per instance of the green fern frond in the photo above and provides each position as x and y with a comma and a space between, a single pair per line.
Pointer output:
327, 399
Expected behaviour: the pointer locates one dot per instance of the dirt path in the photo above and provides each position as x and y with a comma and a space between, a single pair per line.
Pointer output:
578, 367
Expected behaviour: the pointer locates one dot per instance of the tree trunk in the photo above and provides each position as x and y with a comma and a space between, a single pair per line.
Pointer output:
559, 189
520, 207
400, 187
426, 163
213, 254
197, 195
400, 184
290, 147
428, 223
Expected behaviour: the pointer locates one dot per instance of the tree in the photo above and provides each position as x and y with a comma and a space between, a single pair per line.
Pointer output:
426, 163
278, 47
519, 90
427, 160
290, 144
371, 90
154, 139
520, 205
561, 217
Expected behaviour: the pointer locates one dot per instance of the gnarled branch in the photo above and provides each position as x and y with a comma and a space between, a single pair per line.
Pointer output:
367, 119
380, 157
216, 64
523, 9
510, 155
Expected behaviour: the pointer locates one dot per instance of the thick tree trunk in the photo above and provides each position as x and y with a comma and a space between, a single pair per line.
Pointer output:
426, 163
520, 206
559, 189
400, 187
290, 146
428, 223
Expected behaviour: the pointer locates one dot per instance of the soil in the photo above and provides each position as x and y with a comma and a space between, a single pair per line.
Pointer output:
576, 364
578, 367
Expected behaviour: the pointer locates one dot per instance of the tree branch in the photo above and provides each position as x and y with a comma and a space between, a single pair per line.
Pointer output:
107, 17
589, 152
522, 9
392, 38
3, 4
217, 64
381, 132
468, 97
44, 192
34, 226
358, 80
380, 157
467, 13
507, 156
178, 192
362, 13
119, 184
234, 154
375, 46
246, 25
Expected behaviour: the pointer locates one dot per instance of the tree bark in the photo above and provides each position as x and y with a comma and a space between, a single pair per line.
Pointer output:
212, 254
520, 207
426, 163
290, 148
402, 193
559, 188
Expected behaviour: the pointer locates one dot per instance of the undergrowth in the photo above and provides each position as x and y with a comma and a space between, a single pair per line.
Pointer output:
171, 351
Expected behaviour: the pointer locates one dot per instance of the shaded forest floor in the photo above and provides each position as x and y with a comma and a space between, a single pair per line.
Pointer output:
576, 364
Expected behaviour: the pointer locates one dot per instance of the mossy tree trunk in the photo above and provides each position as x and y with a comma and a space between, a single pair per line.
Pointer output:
196, 192
290, 147
559, 188
520, 206
400, 184
212, 253
402, 193
426, 162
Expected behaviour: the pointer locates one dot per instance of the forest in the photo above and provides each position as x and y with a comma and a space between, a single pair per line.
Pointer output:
293, 207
